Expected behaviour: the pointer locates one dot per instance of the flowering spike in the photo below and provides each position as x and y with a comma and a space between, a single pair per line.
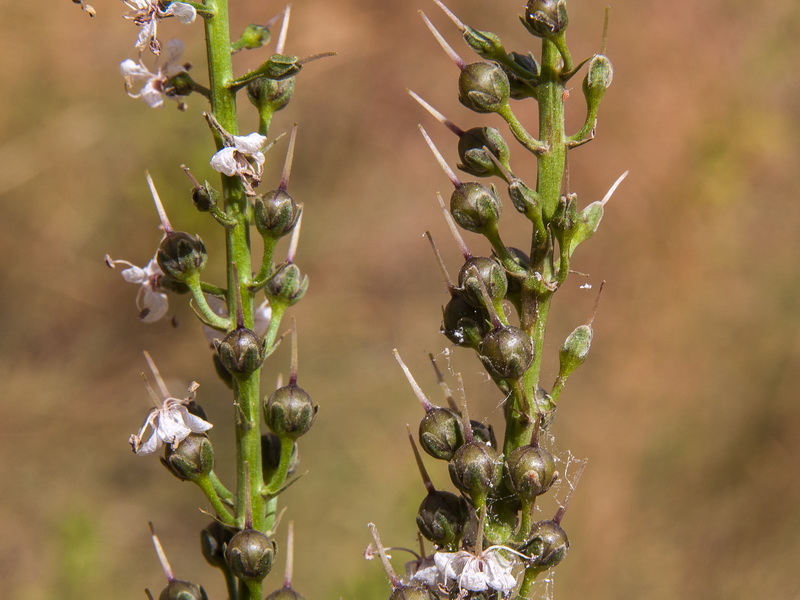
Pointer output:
423, 400
295, 239
445, 275
453, 18
445, 46
448, 394
162, 557
563, 509
440, 159
462, 245
393, 579
613, 188
426, 479
162, 214
281, 44
437, 115
156, 375
287, 166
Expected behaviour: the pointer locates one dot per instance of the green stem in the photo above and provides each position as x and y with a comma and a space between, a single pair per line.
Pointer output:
248, 449
278, 479
531, 573
223, 492
550, 172
223, 514
266, 269
204, 311
520, 133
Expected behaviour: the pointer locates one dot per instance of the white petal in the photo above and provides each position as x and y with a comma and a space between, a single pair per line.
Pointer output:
171, 427
185, 13
131, 69
250, 144
224, 162
155, 303
151, 95
151, 445
473, 580
193, 422
152, 268
174, 50
134, 274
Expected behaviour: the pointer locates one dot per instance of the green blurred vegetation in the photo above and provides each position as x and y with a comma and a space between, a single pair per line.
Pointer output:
687, 407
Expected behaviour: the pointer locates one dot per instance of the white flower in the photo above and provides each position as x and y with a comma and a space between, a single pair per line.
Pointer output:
244, 158
171, 423
477, 572
151, 300
147, 13
152, 87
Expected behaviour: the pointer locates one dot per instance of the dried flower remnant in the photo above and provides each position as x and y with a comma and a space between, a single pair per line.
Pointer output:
170, 421
242, 156
151, 300
152, 88
87, 8
147, 13
477, 572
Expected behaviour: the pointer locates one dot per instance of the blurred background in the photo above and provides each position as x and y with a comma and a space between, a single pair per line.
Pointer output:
687, 409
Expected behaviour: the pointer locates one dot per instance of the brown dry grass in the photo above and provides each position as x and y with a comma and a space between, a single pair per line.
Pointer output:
687, 408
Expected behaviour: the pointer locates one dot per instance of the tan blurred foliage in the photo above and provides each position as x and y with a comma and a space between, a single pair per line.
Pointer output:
687, 408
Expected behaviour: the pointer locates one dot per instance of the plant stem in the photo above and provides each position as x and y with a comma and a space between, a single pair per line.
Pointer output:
551, 130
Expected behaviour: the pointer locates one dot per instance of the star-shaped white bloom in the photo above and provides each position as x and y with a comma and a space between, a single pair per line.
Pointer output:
477, 572
152, 87
170, 423
243, 158
151, 300
147, 13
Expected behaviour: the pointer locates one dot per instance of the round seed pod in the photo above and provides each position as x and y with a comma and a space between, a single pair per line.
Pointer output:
192, 459
213, 540
289, 411
548, 544
476, 469
506, 352
483, 432
272, 94
483, 87
464, 324
478, 273
181, 255
241, 352
472, 147
442, 517
546, 18
440, 433
285, 593
275, 213
287, 285
182, 590
530, 472
205, 197
475, 207
250, 555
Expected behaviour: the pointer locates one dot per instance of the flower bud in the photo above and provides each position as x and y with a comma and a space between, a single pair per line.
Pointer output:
205, 197
181, 255
548, 544
546, 18
565, 216
241, 352
182, 590
192, 459
253, 37
289, 411
480, 273
588, 221
440, 433
213, 540
463, 323
476, 470
472, 150
271, 456
250, 555
598, 78
475, 207
287, 284
275, 213
483, 87
442, 517
575, 350
531, 471
486, 44
506, 352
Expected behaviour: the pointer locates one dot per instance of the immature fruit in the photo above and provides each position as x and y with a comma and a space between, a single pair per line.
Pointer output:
548, 544
289, 411
250, 555
483, 87
506, 352
475, 207
181, 255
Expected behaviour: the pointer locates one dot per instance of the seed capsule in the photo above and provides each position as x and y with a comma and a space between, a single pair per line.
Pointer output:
213, 540
192, 459
275, 213
270, 94
287, 284
598, 78
575, 350
546, 18
483, 87
476, 470
531, 471
250, 555
475, 207
548, 544
506, 352
182, 590
440, 433
241, 352
442, 517
181, 255
463, 323
472, 150
480, 273
289, 411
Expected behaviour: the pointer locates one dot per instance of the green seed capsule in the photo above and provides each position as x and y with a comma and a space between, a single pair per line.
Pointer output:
472, 150
506, 352
181, 255
548, 544
483, 87
213, 540
464, 324
546, 18
192, 459
275, 214
442, 517
531, 471
476, 470
440, 433
475, 207
480, 273
285, 593
575, 350
287, 285
598, 78
270, 94
241, 352
182, 590
251, 554
289, 411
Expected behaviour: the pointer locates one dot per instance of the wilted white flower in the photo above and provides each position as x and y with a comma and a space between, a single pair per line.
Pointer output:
170, 423
147, 13
243, 158
152, 87
477, 572
151, 300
